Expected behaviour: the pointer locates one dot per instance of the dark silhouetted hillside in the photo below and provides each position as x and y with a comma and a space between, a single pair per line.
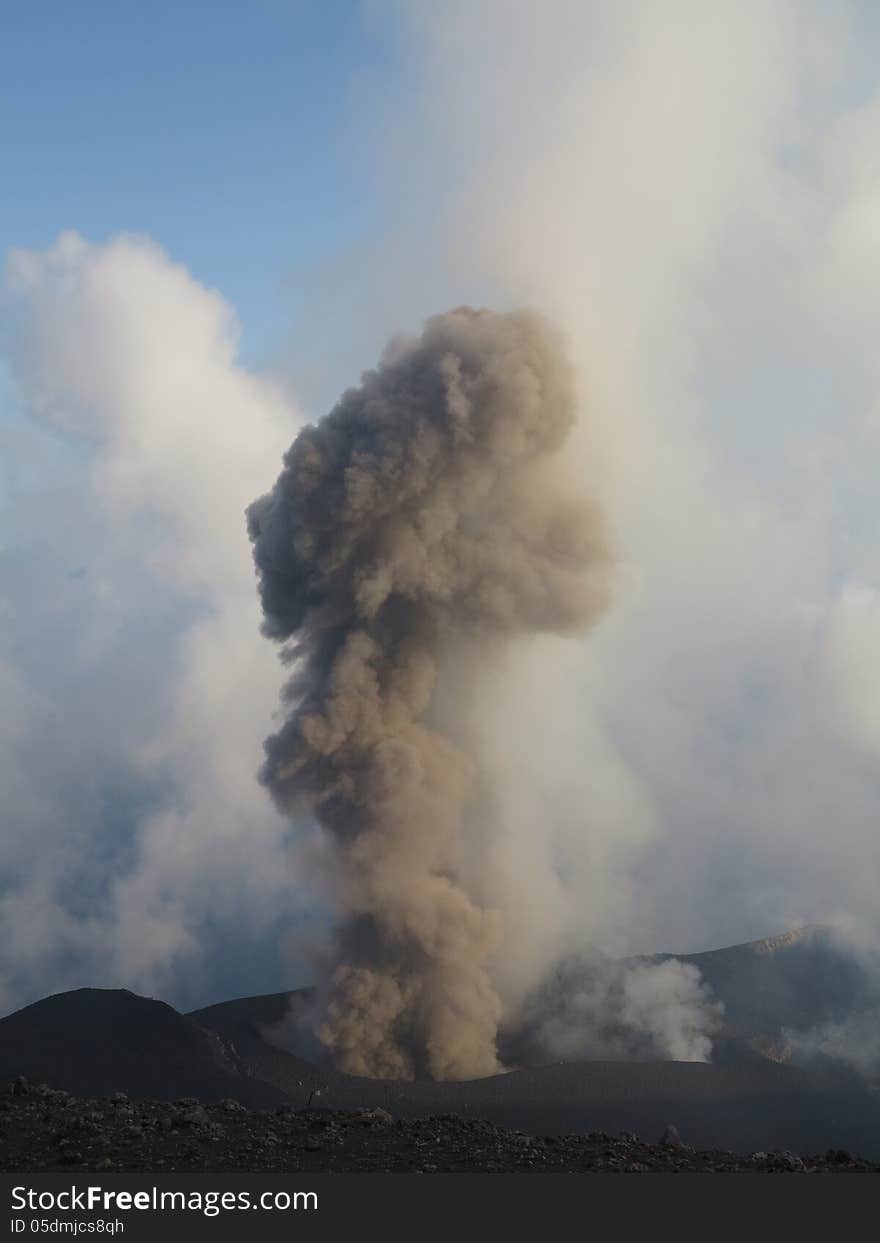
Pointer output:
98, 1041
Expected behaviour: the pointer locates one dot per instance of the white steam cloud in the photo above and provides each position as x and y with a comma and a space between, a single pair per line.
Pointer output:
134, 702
613, 1011
690, 190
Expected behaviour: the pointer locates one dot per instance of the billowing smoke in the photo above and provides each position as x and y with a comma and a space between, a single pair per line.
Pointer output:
426, 520
596, 1008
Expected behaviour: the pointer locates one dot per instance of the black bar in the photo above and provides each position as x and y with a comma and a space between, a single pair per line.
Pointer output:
320, 1205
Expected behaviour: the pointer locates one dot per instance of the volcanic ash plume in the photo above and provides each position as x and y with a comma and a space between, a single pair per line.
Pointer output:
428, 517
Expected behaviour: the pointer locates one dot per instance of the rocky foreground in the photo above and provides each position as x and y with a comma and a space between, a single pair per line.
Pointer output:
43, 1130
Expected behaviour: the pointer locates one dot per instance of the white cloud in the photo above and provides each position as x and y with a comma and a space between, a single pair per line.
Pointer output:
690, 189
138, 686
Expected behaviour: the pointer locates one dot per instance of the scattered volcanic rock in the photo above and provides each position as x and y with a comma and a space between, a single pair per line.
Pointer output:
43, 1130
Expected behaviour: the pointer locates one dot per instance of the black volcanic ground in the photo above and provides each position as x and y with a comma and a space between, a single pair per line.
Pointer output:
42, 1129
93, 1043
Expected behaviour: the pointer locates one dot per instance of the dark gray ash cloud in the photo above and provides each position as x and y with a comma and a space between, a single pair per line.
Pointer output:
426, 520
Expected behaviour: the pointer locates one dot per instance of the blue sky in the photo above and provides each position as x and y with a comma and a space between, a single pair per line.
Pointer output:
223, 131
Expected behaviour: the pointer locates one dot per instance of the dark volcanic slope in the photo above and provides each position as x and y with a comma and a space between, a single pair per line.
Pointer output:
252, 1016
790, 983
98, 1041
745, 1107
793, 982
775, 993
